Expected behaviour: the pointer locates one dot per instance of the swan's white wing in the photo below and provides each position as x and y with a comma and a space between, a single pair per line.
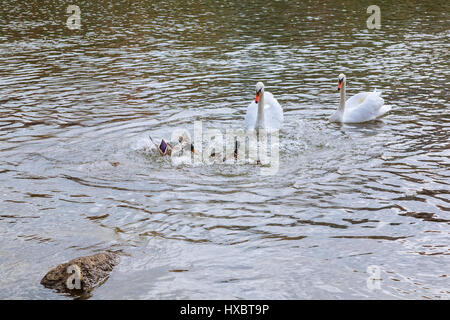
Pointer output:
356, 100
273, 113
250, 117
384, 107
369, 107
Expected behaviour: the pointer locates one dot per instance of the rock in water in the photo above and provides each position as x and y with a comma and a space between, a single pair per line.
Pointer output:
81, 274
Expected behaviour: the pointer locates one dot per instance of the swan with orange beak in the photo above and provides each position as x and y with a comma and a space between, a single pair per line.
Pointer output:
264, 112
362, 107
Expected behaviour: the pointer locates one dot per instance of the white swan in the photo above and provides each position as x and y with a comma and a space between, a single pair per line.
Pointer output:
362, 107
265, 112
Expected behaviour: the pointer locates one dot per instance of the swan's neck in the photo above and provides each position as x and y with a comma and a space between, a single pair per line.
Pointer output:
342, 102
260, 117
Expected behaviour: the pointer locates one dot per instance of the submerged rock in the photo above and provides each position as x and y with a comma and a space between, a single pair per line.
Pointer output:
81, 274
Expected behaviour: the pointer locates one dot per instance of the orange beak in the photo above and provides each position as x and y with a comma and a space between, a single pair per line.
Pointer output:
258, 95
339, 85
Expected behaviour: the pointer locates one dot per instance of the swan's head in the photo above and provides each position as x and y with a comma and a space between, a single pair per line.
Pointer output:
259, 91
341, 80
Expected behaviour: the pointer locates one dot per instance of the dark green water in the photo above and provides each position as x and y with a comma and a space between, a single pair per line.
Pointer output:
346, 197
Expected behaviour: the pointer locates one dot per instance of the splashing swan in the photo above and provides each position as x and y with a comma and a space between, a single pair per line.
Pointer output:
362, 107
265, 112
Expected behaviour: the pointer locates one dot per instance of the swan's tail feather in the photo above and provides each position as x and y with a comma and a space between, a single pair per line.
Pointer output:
378, 93
384, 110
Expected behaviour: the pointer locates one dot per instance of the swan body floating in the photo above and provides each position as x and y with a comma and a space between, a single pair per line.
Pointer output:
265, 112
362, 107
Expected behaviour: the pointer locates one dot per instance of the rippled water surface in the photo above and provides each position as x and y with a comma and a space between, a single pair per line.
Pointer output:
78, 174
